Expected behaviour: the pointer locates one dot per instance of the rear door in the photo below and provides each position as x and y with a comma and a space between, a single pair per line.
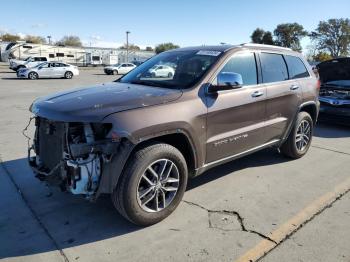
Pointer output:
283, 94
59, 69
235, 120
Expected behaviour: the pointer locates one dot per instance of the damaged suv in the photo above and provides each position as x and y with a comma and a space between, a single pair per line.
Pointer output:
141, 137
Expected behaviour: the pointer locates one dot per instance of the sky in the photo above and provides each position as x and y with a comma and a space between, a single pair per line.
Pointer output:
186, 23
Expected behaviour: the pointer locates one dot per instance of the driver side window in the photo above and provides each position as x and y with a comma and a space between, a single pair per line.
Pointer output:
245, 65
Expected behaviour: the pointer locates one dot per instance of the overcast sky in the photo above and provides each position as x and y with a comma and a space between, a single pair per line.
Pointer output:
103, 23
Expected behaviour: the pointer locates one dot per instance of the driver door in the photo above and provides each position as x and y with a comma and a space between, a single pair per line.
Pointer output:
235, 119
45, 70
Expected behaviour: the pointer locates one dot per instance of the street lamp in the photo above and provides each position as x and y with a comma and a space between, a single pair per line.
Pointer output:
127, 46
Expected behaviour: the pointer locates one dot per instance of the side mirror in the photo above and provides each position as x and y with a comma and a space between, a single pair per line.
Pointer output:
40, 67
227, 81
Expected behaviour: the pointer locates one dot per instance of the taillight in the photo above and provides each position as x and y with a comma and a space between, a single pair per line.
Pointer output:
318, 85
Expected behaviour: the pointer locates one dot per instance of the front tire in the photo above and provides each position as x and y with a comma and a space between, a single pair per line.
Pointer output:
299, 139
152, 184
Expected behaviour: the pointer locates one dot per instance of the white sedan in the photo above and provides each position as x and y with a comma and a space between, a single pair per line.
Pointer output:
162, 71
49, 70
119, 69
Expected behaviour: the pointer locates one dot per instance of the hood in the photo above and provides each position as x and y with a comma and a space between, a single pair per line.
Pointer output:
95, 103
16, 61
334, 70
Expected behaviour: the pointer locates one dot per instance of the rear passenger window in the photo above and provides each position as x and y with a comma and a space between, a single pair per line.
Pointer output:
296, 67
245, 65
274, 68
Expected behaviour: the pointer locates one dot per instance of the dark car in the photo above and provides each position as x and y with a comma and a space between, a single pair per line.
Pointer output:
141, 137
335, 90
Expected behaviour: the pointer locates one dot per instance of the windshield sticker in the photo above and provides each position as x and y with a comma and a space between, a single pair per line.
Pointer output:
208, 52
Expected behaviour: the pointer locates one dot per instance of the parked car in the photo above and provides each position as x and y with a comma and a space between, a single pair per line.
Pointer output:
137, 63
119, 69
49, 70
162, 71
29, 62
335, 90
140, 138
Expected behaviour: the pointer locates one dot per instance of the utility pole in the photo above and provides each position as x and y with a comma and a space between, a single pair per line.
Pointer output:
127, 46
49, 37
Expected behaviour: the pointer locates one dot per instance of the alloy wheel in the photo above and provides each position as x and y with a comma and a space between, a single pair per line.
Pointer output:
158, 185
303, 135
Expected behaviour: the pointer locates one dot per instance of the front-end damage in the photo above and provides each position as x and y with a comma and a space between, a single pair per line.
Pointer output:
77, 156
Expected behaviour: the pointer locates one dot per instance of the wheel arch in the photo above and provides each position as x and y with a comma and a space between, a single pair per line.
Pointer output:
178, 139
309, 107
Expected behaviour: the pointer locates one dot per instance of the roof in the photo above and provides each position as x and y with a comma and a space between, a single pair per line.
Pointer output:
219, 48
226, 47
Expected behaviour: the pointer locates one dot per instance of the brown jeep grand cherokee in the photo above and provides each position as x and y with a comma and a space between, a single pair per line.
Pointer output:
173, 117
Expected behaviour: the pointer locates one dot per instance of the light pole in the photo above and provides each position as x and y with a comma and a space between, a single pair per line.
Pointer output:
49, 37
127, 46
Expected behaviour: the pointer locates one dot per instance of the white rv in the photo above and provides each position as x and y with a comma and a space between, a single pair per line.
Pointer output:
21, 51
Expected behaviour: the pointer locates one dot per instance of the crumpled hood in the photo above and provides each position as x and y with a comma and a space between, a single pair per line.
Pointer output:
95, 103
334, 70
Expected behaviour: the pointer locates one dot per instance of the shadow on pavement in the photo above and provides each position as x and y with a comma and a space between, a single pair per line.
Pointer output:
73, 221
330, 130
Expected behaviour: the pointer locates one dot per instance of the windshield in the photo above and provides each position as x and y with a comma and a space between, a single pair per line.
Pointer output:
28, 58
174, 69
116, 65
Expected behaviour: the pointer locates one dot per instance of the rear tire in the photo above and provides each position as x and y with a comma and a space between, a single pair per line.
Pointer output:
33, 76
145, 197
300, 137
68, 75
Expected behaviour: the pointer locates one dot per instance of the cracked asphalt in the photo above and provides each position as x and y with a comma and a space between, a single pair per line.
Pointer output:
261, 207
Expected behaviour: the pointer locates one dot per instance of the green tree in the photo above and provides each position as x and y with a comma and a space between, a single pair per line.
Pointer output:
289, 35
70, 40
35, 39
149, 48
259, 36
267, 38
10, 37
131, 47
164, 47
333, 36
322, 56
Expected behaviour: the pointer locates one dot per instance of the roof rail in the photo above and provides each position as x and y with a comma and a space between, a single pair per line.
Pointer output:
269, 46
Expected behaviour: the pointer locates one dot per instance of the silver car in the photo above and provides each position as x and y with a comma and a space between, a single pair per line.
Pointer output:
49, 70
119, 69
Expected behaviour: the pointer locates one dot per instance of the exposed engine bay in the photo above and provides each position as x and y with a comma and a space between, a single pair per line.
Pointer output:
335, 93
71, 155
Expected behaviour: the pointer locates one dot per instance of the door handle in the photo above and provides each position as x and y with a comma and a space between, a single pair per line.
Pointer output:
294, 87
257, 94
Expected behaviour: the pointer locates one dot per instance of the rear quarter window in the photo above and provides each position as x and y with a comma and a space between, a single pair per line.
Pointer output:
296, 67
273, 67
